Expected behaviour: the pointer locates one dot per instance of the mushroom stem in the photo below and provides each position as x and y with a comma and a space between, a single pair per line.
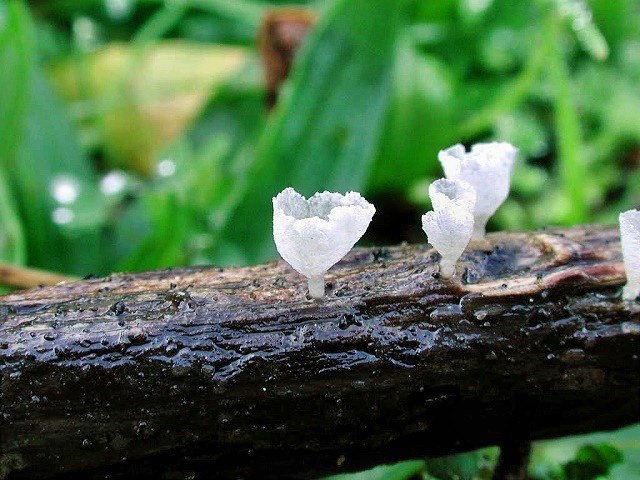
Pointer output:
316, 286
479, 227
447, 268
630, 291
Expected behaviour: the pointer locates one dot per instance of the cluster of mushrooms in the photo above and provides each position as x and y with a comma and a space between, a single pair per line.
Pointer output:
314, 234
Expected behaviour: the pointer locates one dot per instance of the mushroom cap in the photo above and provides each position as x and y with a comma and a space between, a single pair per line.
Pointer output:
312, 235
449, 231
450, 226
487, 168
630, 241
445, 192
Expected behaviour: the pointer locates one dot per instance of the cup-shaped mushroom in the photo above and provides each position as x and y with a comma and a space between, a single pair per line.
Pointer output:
487, 168
630, 241
312, 235
444, 192
450, 226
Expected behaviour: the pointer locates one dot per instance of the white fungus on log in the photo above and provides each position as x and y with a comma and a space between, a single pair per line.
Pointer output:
487, 168
630, 240
450, 225
312, 235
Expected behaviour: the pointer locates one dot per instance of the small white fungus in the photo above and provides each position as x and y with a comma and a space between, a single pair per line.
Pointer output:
312, 235
450, 225
630, 240
487, 168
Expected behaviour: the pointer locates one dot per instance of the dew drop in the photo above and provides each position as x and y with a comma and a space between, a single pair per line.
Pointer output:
113, 182
118, 308
118, 9
65, 189
62, 216
166, 168
171, 349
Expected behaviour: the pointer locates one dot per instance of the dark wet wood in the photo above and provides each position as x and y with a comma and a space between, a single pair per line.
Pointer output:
193, 371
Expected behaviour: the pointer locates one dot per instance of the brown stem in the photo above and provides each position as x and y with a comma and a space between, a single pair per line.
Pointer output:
22, 277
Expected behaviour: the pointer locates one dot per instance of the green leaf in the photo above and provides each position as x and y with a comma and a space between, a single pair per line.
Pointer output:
12, 248
593, 461
182, 215
38, 146
325, 132
420, 120
568, 132
169, 226
16, 54
463, 466
557, 459
399, 471
49, 151
579, 18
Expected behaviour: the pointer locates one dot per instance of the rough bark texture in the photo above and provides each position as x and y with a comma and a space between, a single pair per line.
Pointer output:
204, 372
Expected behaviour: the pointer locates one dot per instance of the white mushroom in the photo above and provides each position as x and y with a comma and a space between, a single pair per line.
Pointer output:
450, 225
487, 168
630, 240
312, 235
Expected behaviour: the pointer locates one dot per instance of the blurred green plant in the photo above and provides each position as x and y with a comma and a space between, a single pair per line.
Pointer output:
374, 94
134, 134
602, 456
588, 457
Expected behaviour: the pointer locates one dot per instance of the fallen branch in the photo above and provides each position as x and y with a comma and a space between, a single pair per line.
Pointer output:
234, 373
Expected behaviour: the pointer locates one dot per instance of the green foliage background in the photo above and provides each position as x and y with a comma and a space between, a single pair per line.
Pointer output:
377, 89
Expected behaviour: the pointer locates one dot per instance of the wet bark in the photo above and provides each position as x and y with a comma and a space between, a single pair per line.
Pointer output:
201, 372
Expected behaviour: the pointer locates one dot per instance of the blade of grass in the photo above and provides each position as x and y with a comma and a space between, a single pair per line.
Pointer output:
16, 53
12, 243
161, 22
49, 149
567, 129
247, 11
